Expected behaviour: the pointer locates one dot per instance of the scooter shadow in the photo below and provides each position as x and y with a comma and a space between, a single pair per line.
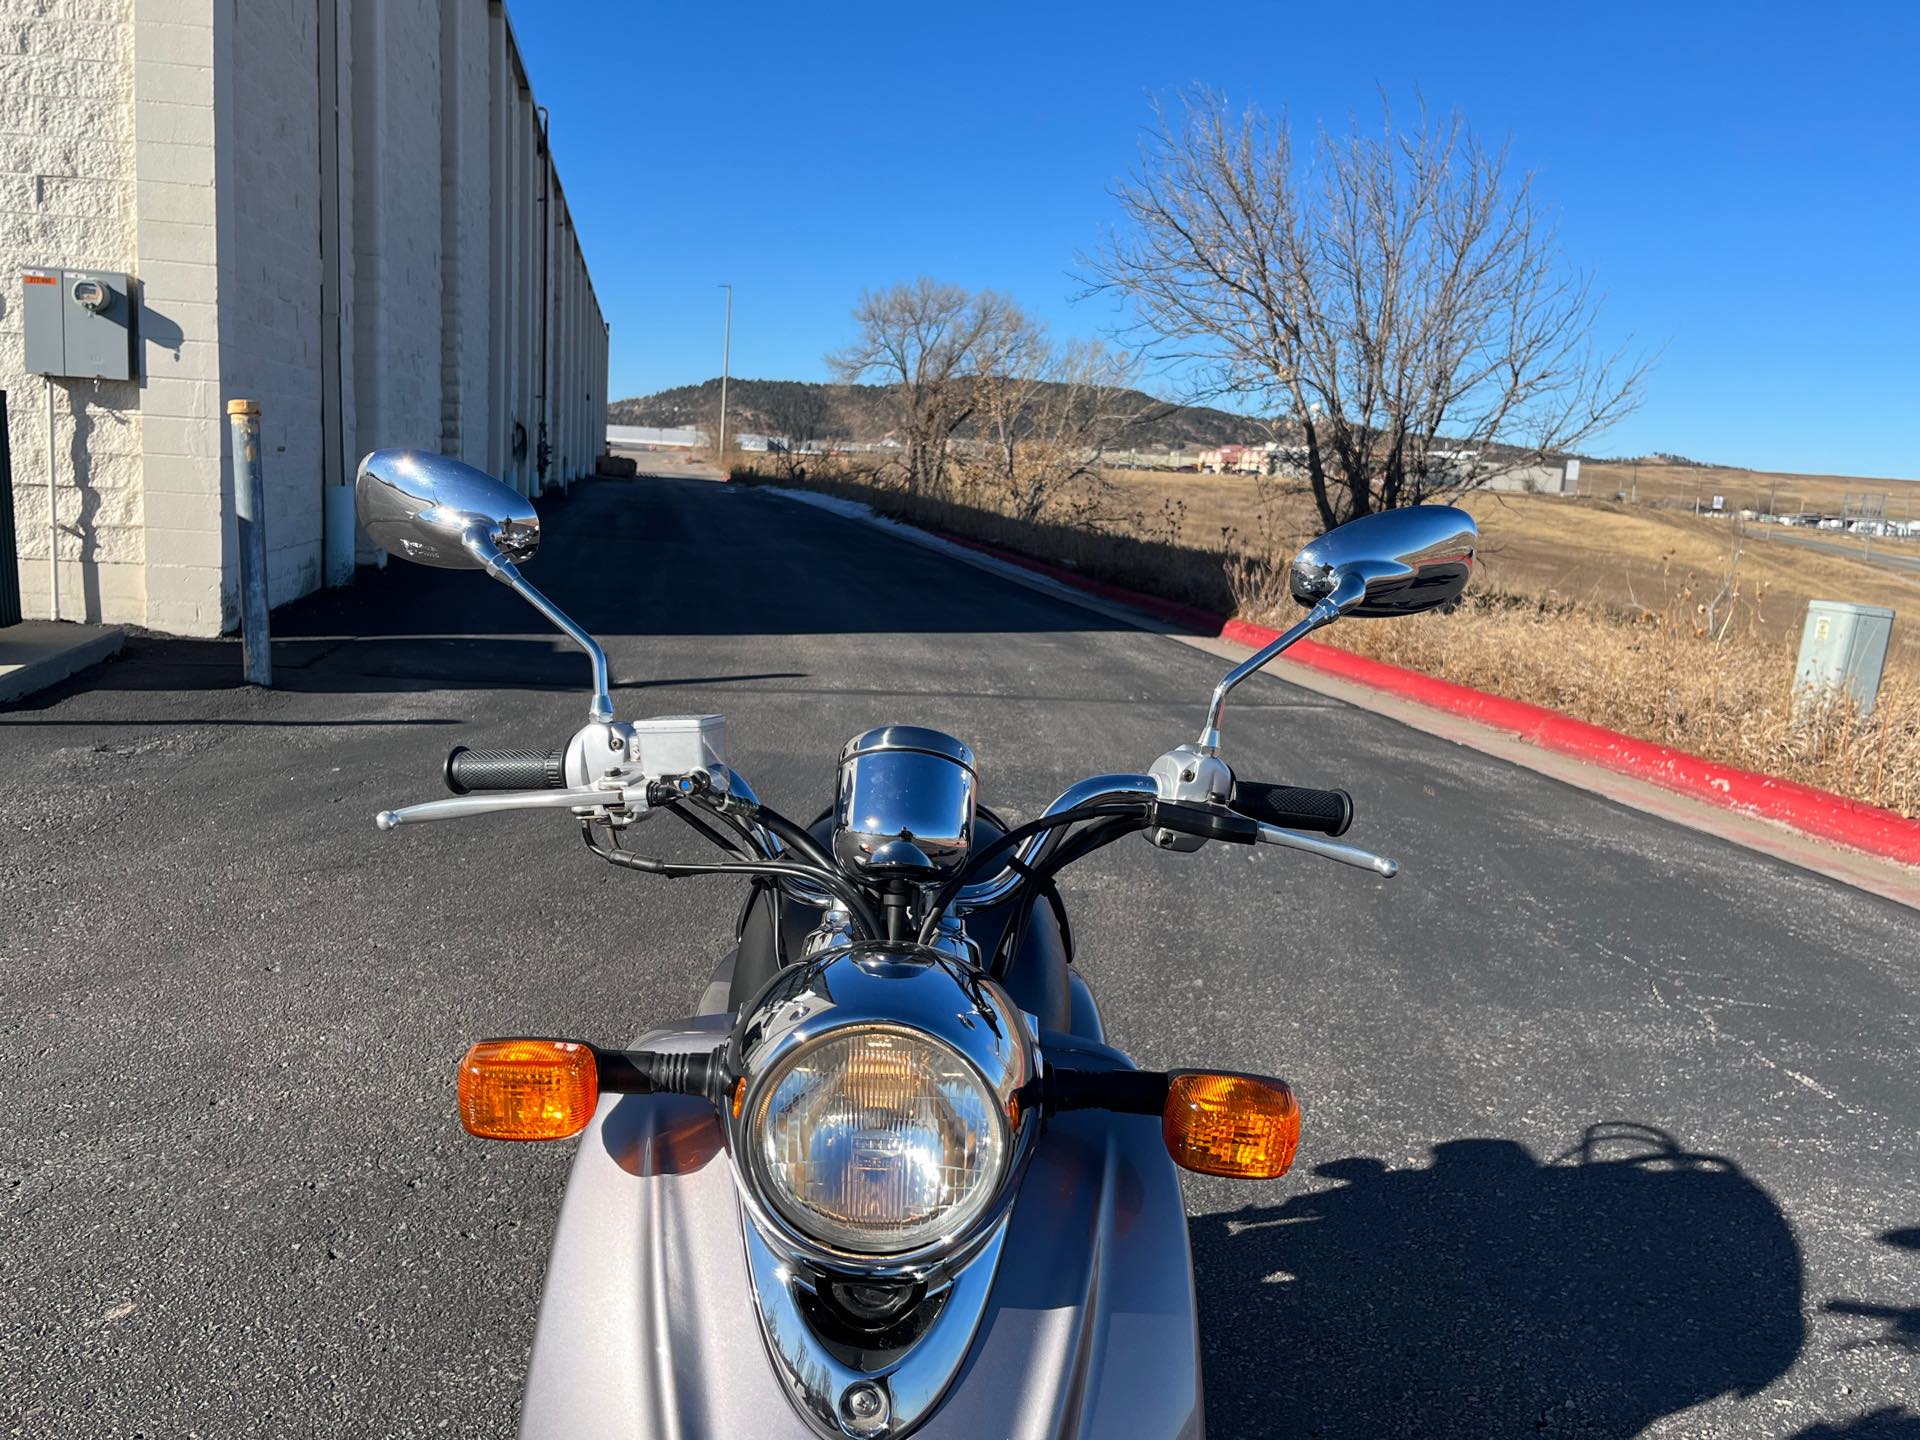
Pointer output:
1491, 1294
1889, 1423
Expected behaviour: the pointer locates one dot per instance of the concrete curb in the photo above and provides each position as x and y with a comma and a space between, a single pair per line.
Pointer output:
1820, 813
37, 653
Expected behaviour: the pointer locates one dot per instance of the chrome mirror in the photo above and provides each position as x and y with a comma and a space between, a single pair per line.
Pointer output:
1393, 562
435, 510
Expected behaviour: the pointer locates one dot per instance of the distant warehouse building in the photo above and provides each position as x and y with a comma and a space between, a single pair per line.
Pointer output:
344, 209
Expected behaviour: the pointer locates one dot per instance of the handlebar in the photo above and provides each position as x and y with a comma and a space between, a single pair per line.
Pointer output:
470, 770
1293, 807
1277, 813
1035, 850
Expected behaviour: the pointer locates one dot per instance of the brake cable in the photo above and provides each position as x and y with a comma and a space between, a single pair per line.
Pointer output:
842, 889
1077, 847
700, 827
929, 926
795, 837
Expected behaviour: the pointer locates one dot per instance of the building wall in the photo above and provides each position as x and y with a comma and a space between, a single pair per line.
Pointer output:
67, 198
182, 79
184, 141
270, 306
466, 197
396, 228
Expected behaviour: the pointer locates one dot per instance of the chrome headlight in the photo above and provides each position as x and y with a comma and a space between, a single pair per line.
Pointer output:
878, 1139
881, 1112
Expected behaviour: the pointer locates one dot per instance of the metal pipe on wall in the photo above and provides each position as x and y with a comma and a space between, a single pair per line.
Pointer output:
337, 525
53, 515
497, 425
546, 295
9, 569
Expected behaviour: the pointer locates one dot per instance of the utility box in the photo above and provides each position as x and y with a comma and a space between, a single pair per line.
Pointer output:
79, 323
1843, 646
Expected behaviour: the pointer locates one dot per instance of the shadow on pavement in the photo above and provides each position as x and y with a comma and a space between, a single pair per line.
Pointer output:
1903, 1332
1903, 1321
657, 557
1891, 1423
680, 557
1490, 1294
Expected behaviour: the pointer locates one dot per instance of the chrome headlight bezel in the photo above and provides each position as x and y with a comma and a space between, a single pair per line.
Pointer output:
955, 1220
877, 986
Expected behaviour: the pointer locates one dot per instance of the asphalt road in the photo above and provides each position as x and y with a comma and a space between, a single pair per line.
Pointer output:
1895, 555
1611, 1126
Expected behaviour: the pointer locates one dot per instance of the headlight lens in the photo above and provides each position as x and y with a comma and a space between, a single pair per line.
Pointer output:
878, 1140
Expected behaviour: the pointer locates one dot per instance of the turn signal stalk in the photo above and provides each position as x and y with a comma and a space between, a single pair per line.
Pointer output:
1215, 1122
548, 1089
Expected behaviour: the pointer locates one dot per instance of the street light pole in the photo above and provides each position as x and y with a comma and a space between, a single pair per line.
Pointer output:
726, 362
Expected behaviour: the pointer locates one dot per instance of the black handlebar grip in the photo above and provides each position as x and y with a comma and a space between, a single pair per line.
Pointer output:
1294, 807
469, 770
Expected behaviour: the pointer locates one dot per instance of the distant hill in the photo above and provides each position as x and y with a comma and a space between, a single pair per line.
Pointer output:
860, 414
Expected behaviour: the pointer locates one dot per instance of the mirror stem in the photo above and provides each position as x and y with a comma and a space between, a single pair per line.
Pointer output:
507, 573
1324, 613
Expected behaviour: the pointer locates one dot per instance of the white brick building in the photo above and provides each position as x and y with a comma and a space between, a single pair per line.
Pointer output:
341, 208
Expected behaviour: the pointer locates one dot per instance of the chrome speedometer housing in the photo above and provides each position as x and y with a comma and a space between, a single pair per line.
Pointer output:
946, 1009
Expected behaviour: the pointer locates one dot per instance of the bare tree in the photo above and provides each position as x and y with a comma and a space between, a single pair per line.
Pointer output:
797, 417
1396, 302
1048, 415
927, 342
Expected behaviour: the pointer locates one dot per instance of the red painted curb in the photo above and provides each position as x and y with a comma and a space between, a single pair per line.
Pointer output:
1817, 812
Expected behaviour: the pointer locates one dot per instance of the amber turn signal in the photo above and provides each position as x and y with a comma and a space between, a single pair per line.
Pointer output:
1243, 1126
528, 1089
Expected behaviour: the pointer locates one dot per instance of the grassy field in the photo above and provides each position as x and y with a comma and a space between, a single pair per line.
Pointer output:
1624, 558
1744, 489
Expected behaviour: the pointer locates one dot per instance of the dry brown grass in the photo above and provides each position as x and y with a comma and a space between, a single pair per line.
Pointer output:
1594, 609
1621, 558
1664, 678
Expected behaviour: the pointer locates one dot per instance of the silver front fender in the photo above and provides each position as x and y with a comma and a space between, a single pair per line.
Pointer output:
647, 1329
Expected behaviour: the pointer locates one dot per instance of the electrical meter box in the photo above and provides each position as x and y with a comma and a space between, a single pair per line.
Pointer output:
79, 323
1843, 646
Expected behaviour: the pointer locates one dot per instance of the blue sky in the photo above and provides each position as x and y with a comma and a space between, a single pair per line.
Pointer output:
1742, 180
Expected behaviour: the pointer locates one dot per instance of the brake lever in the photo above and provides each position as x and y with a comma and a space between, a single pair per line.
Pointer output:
1330, 850
630, 800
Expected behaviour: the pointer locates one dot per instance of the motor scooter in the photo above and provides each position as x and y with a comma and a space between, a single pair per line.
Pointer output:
886, 1177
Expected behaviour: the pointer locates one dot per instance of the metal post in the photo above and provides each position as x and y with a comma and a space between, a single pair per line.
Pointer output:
542, 447
53, 516
9, 551
250, 506
726, 362
336, 473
